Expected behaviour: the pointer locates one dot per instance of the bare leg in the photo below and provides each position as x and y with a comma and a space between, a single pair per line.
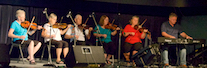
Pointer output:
65, 51
58, 53
36, 48
134, 52
31, 50
105, 55
126, 55
108, 57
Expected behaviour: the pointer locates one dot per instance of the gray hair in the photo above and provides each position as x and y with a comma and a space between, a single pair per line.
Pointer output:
76, 16
19, 13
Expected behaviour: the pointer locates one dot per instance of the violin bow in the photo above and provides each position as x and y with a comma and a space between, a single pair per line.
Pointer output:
61, 19
142, 23
113, 21
86, 20
28, 28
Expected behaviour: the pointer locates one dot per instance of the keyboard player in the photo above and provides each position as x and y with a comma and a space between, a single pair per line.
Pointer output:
170, 29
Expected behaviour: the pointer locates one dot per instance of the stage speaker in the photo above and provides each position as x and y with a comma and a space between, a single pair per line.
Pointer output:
4, 58
144, 56
89, 54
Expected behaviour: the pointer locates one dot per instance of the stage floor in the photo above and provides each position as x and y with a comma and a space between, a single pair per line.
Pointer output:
15, 64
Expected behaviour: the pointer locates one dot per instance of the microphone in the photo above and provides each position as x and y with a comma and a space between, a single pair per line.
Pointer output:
90, 15
93, 13
119, 14
45, 11
68, 14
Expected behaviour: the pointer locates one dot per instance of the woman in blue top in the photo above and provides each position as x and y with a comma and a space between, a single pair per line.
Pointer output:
18, 33
105, 35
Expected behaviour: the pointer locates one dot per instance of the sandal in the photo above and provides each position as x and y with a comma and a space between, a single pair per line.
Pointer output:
108, 62
59, 62
32, 62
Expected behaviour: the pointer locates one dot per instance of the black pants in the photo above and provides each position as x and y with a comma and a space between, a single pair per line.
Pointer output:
109, 48
131, 47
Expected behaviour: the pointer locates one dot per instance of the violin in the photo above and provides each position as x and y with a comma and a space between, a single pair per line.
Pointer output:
111, 25
136, 27
140, 28
60, 25
26, 24
83, 26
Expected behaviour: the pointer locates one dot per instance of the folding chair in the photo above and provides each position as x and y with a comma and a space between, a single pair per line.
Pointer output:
20, 49
53, 46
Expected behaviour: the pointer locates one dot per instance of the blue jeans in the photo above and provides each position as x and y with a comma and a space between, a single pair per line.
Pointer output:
182, 56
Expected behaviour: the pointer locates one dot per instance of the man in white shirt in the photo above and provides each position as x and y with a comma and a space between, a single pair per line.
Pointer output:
78, 32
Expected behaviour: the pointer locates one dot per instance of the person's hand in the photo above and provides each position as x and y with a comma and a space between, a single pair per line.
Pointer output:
22, 37
76, 36
52, 36
188, 37
145, 30
172, 37
140, 26
132, 33
39, 27
90, 28
117, 28
104, 35
69, 25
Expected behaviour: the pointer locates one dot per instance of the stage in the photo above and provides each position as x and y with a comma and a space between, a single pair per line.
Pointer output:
15, 64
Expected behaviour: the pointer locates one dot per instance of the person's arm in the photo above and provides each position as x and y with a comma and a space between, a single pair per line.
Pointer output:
11, 35
100, 35
167, 35
115, 31
34, 30
126, 33
88, 32
63, 31
144, 33
68, 33
44, 34
164, 30
183, 34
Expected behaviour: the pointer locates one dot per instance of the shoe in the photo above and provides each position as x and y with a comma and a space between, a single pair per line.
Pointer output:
185, 66
108, 62
166, 64
59, 62
32, 62
134, 64
128, 65
28, 59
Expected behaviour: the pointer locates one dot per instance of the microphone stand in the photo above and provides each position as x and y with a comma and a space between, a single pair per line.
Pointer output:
69, 15
49, 46
119, 47
98, 31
